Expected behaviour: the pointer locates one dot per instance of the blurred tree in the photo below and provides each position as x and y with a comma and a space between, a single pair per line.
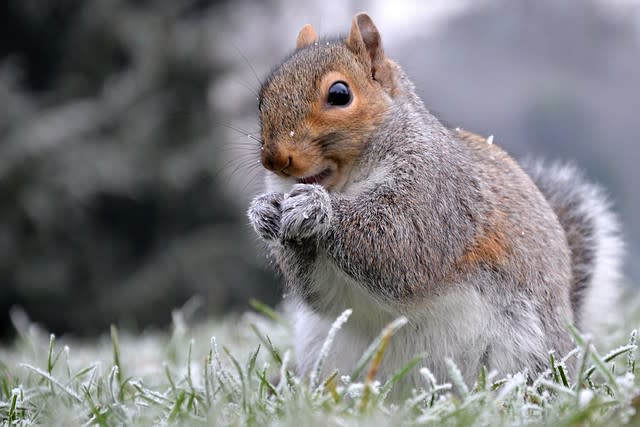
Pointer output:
111, 200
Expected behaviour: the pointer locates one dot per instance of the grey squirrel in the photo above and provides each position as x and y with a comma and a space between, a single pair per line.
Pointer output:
372, 204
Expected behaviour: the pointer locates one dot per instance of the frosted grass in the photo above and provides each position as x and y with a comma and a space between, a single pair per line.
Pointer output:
245, 376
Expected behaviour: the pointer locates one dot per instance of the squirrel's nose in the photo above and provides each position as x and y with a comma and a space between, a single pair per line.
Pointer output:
277, 160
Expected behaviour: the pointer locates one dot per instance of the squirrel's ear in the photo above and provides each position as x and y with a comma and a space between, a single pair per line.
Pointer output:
365, 34
306, 36
365, 38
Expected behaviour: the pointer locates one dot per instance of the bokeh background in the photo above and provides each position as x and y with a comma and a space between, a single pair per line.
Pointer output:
125, 166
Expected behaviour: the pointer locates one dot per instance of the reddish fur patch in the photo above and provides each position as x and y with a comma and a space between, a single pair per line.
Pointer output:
357, 120
353, 122
327, 138
470, 136
490, 246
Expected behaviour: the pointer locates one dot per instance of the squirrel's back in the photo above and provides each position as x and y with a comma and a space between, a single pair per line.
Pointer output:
591, 230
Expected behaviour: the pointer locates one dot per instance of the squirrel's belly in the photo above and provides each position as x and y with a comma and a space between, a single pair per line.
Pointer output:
461, 325
441, 332
334, 291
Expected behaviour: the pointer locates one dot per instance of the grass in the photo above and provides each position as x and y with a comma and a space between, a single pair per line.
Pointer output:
186, 377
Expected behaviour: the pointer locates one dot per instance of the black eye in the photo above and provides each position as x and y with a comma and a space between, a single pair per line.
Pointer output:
339, 94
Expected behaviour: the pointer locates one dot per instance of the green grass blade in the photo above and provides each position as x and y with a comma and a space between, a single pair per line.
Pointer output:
326, 347
52, 380
115, 343
366, 357
243, 383
399, 374
267, 311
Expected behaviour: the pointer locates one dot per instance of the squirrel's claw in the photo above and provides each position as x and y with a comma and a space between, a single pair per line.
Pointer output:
264, 214
306, 212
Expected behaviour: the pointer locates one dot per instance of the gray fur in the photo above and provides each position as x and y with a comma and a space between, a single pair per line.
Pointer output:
593, 236
264, 215
391, 240
306, 213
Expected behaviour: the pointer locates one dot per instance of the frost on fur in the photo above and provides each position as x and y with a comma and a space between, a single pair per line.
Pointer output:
264, 215
306, 211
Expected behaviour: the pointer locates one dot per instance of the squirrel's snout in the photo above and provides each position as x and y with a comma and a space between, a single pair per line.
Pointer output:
277, 160
289, 162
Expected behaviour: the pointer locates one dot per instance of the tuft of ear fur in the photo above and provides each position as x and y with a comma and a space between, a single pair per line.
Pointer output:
364, 40
306, 36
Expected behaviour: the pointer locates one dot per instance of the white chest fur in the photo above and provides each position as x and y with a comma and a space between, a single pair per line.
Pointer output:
460, 325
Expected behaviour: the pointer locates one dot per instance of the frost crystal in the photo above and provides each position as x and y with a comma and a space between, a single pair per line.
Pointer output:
585, 397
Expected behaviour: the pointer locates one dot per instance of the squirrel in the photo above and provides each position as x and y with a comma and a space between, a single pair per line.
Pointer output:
372, 204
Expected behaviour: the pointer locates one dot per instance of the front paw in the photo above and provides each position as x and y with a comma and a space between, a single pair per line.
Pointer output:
264, 214
306, 212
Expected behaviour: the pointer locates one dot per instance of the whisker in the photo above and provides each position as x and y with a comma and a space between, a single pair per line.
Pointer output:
249, 161
253, 70
240, 141
254, 174
236, 164
242, 165
240, 148
246, 86
248, 134
240, 151
249, 175
236, 128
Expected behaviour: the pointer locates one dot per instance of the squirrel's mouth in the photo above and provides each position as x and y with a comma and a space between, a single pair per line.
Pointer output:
316, 179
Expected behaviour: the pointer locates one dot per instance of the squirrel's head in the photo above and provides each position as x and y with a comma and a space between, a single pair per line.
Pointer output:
320, 106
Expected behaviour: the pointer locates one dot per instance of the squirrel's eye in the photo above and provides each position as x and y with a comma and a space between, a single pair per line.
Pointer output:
339, 94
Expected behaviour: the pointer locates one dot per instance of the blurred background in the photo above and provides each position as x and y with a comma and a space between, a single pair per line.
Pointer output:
125, 166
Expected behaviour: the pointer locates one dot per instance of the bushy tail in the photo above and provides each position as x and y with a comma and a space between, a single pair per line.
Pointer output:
593, 235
